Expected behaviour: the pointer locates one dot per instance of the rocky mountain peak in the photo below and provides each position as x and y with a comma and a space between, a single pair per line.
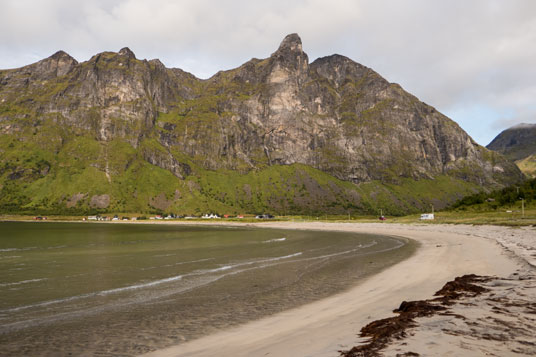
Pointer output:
125, 51
57, 65
291, 42
339, 68
290, 55
62, 55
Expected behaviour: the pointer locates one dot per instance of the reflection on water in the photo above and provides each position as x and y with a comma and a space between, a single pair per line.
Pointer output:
126, 289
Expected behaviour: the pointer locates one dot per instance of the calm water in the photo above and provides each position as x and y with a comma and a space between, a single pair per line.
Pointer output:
124, 289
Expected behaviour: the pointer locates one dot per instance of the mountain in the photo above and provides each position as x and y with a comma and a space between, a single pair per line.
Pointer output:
518, 143
278, 135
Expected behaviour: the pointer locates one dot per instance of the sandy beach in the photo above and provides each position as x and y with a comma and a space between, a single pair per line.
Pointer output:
324, 327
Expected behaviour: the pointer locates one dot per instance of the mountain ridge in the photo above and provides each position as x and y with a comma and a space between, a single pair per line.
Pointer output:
336, 116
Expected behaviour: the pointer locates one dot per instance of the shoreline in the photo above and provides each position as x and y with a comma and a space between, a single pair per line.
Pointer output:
324, 327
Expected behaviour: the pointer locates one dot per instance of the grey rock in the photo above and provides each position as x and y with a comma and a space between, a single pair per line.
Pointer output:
100, 201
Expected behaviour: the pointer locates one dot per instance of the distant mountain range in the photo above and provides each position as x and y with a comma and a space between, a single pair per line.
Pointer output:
276, 135
518, 143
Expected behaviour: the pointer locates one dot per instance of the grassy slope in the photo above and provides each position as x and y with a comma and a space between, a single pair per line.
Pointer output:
528, 165
283, 190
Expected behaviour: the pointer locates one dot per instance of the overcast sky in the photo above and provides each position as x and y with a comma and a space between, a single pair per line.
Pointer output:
475, 61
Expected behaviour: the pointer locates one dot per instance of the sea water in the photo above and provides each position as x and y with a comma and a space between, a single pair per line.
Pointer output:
125, 289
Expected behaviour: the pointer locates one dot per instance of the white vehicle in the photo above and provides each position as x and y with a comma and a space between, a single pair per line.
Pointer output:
425, 216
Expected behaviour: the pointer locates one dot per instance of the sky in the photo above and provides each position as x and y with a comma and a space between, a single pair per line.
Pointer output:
474, 61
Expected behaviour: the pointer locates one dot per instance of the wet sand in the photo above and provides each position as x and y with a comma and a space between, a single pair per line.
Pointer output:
324, 327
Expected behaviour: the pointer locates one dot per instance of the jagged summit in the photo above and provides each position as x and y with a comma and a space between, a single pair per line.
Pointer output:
56, 65
61, 55
290, 54
336, 59
125, 51
291, 42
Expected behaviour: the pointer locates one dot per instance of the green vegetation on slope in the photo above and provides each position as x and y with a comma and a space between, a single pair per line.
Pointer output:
499, 199
528, 165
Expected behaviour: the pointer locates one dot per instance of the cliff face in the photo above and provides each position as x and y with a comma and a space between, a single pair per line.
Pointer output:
333, 114
114, 115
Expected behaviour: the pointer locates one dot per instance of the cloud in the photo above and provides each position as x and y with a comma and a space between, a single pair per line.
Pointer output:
455, 55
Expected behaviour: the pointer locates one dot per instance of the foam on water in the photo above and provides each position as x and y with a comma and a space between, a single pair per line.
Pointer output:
16, 249
22, 282
275, 240
175, 264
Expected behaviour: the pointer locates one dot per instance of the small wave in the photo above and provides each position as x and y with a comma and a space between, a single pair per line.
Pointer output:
371, 244
274, 259
47, 303
359, 247
227, 267
88, 295
22, 282
11, 257
275, 240
194, 261
16, 249
175, 264
283, 257
57, 247
139, 286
